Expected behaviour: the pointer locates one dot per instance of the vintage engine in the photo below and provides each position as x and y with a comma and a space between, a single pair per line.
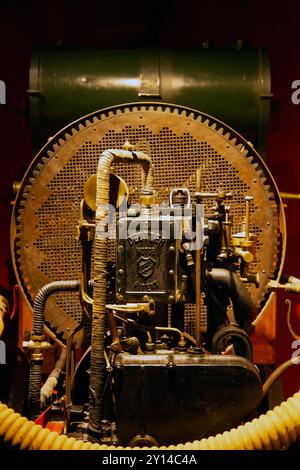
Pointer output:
170, 226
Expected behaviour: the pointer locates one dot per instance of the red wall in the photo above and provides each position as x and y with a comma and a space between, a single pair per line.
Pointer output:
169, 23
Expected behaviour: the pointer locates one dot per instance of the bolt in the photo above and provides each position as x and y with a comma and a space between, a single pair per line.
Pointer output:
171, 272
120, 271
120, 249
171, 298
171, 248
120, 297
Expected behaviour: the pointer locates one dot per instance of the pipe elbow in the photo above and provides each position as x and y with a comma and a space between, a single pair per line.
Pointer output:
245, 311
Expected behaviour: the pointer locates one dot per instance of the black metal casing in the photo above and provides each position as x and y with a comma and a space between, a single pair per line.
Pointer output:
147, 260
179, 397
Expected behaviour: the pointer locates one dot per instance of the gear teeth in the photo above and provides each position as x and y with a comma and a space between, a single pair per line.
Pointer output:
27, 188
60, 139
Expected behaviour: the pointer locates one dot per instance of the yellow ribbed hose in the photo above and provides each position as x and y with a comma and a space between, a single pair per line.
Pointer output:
1, 325
277, 429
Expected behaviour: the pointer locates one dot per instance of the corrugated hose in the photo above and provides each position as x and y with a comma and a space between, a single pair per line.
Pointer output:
277, 429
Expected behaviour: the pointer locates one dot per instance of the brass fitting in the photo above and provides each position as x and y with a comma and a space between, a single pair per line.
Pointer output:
246, 255
37, 346
147, 199
288, 287
127, 145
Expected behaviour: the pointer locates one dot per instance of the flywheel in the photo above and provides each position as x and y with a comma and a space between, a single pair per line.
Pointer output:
179, 140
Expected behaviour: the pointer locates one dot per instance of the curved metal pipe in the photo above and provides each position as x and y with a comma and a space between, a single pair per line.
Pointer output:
51, 382
98, 364
40, 300
244, 308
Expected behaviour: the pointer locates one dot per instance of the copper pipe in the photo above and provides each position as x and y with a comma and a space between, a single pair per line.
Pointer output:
295, 196
115, 339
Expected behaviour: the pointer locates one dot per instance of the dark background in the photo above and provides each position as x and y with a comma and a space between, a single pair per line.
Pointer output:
177, 24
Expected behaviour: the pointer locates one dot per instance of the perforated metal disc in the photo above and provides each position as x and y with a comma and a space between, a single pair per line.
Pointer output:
180, 140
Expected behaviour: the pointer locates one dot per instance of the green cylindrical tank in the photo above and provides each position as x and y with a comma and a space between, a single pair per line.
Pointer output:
232, 84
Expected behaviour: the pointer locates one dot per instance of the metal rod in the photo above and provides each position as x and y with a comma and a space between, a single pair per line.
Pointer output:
70, 372
290, 195
128, 307
115, 339
198, 268
247, 217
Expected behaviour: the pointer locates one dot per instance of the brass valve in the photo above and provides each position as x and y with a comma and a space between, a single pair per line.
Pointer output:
37, 346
